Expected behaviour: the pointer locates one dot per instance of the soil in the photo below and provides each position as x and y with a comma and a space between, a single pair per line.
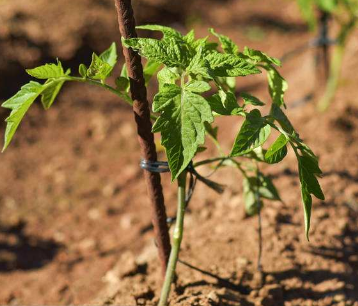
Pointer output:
74, 225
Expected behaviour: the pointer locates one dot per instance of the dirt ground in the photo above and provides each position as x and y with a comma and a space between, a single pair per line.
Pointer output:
74, 225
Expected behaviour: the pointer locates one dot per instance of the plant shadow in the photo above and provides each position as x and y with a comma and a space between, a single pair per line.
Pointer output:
345, 254
220, 282
19, 251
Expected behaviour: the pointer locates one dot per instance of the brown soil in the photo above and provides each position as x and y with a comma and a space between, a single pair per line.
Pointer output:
74, 225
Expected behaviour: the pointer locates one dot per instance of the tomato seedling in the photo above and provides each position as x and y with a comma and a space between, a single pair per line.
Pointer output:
345, 13
197, 82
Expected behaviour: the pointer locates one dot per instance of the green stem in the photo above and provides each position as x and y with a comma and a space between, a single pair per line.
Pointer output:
177, 238
335, 67
210, 160
123, 96
215, 159
127, 99
238, 166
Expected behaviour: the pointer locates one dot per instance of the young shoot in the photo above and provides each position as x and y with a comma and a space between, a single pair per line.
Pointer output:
197, 83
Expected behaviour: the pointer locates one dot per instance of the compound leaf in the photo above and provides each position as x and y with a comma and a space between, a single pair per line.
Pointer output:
181, 124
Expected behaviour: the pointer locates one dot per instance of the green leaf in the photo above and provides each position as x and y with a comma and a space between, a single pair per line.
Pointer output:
109, 56
251, 197
47, 71
82, 70
197, 86
256, 188
50, 92
229, 65
307, 175
258, 56
122, 83
181, 124
167, 76
231, 83
198, 64
203, 43
253, 133
277, 113
227, 44
99, 69
190, 37
277, 85
267, 189
124, 72
277, 151
170, 52
150, 68
19, 104
307, 207
225, 104
311, 162
248, 99
308, 169
167, 31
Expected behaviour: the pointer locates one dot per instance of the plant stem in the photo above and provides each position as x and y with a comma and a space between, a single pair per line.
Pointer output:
123, 95
336, 64
144, 129
177, 238
210, 160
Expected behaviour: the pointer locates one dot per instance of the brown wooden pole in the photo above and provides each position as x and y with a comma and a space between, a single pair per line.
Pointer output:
144, 128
